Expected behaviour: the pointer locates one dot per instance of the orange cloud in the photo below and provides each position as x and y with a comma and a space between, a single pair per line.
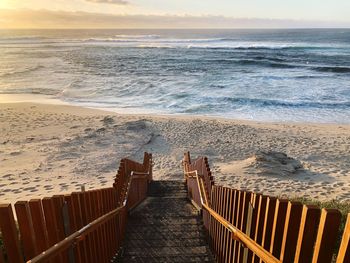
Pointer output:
25, 18
117, 2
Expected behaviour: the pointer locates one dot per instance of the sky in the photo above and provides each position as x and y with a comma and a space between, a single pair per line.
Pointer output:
173, 13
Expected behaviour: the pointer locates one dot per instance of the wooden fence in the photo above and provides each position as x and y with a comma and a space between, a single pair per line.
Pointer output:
242, 225
84, 226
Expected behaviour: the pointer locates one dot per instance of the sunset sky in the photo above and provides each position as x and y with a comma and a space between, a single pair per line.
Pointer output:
174, 13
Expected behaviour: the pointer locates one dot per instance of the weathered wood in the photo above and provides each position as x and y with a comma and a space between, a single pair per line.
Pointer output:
268, 223
73, 226
243, 226
307, 234
344, 250
85, 211
239, 218
326, 236
51, 223
278, 227
255, 203
291, 231
2, 260
9, 234
26, 229
231, 219
39, 225
260, 223
228, 217
81, 246
58, 201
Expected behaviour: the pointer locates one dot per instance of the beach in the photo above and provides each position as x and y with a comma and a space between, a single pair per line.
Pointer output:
56, 149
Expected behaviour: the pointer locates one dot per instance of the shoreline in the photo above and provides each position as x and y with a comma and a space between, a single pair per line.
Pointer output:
51, 149
49, 100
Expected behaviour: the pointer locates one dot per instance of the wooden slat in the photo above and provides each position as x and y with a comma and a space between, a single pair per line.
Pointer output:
255, 203
291, 231
98, 213
246, 200
216, 229
228, 217
81, 246
39, 225
108, 224
117, 242
221, 227
326, 236
114, 225
260, 223
2, 260
307, 234
58, 201
85, 218
226, 232
73, 226
104, 227
72, 223
26, 229
9, 234
58, 205
51, 223
278, 227
91, 217
211, 221
344, 250
238, 223
232, 215
268, 223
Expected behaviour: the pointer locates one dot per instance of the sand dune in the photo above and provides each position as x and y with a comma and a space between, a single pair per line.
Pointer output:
47, 149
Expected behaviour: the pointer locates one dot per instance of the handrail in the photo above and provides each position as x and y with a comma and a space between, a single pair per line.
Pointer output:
76, 236
237, 234
73, 238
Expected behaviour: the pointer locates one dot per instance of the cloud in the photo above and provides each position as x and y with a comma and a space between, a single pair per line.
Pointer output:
26, 18
116, 2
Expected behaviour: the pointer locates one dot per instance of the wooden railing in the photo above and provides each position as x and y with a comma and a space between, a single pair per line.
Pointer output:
84, 226
251, 227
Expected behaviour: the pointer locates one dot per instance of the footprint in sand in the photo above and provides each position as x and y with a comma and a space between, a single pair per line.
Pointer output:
15, 153
29, 188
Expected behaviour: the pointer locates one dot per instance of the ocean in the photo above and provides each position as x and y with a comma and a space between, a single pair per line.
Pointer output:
300, 75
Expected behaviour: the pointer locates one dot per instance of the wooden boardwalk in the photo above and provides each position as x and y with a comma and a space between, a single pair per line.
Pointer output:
166, 228
141, 220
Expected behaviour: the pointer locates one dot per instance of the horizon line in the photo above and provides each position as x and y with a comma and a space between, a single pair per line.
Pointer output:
169, 28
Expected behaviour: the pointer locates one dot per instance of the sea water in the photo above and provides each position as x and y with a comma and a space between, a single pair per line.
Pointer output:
300, 75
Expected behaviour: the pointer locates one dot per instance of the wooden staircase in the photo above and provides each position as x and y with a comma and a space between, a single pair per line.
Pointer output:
166, 228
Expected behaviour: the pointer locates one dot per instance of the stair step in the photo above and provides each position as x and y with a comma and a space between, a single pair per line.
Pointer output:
166, 228
166, 235
162, 228
169, 242
169, 259
167, 251
192, 220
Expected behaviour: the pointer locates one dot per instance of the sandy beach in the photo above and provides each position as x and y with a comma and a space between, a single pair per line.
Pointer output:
54, 149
